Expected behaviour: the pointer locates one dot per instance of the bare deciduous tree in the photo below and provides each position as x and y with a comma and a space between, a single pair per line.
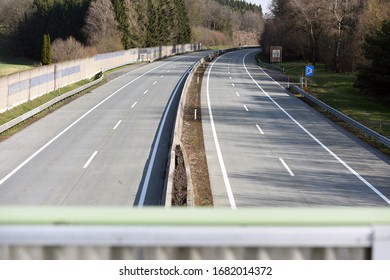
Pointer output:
101, 27
69, 49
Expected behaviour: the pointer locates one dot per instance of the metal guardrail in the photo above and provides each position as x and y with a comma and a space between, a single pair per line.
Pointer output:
48, 104
365, 130
194, 233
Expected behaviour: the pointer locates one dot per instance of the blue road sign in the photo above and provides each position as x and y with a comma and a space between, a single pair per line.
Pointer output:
309, 71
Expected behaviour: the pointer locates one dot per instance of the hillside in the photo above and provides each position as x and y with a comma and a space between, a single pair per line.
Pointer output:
79, 28
225, 22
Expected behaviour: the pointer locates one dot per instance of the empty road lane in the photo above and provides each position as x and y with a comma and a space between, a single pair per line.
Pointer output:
105, 148
267, 148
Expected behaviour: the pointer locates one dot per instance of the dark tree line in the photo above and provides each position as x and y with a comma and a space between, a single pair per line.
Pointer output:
103, 25
27, 21
374, 77
338, 33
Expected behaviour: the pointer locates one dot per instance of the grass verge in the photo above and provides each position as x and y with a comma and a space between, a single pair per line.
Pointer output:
10, 65
30, 105
338, 91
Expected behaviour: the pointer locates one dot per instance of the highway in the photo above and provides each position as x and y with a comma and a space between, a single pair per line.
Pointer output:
108, 147
265, 147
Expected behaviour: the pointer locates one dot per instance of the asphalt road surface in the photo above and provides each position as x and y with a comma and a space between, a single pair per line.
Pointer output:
265, 147
108, 147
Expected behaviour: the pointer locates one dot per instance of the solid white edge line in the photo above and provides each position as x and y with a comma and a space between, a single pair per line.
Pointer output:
118, 123
217, 146
286, 166
90, 159
145, 185
20, 166
315, 139
259, 128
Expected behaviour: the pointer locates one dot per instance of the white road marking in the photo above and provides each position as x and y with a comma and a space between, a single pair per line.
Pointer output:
315, 138
90, 159
116, 126
162, 76
237, 94
230, 78
286, 166
217, 146
246, 108
258, 127
135, 103
20, 166
145, 186
155, 83
233, 84
146, 91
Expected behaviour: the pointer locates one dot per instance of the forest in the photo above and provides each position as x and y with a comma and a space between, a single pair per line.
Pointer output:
328, 31
80, 28
345, 35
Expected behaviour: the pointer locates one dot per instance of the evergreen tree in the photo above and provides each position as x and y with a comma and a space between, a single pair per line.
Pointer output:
46, 50
375, 78
152, 25
123, 22
184, 32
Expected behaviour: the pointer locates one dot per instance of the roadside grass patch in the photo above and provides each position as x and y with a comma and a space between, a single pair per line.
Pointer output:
10, 65
338, 91
32, 104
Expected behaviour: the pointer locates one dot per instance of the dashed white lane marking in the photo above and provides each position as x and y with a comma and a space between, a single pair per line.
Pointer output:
233, 85
132, 106
146, 91
286, 166
90, 159
368, 184
118, 123
20, 166
145, 185
155, 83
162, 76
246, 108
237, 94
259, 128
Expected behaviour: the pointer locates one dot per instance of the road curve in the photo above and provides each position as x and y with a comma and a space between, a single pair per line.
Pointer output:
101, 148
267, 148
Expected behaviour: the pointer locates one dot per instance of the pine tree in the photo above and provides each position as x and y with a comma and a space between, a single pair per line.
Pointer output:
152, 25
184, 32
123, 22
375, 78
46, 50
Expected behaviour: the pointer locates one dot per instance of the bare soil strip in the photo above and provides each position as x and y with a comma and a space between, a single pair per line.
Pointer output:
193, 143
